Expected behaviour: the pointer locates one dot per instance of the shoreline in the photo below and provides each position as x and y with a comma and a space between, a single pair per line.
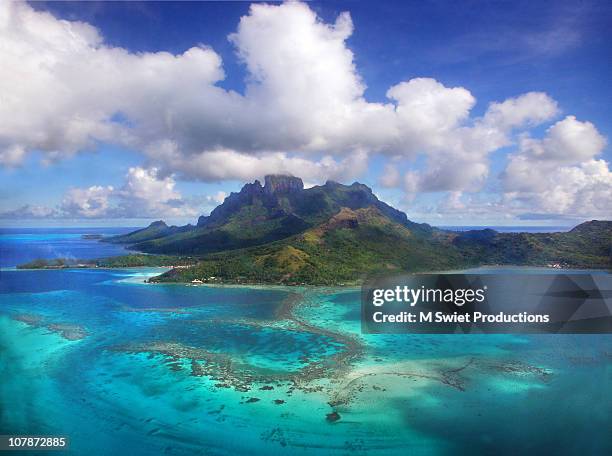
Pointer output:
355, 285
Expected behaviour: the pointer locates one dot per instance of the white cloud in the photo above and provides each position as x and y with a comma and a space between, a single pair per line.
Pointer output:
228, 164
29, 211
458, 158
559, 173
61, 87
148, 195
425, 105
531, 108
303, 94
64, 90
581, 191
12, 156
557, 176
567, 141
144, 194
217, 198
390, 177
87, 202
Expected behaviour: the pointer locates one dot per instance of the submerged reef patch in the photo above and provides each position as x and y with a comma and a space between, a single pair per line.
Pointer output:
336, 365
330, 357
68, 331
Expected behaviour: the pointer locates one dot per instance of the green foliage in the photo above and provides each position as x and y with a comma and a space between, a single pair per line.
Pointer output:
345, 255
258, 215
45, 264
586, 246
123, 261
153, 231
142, 260
334, 233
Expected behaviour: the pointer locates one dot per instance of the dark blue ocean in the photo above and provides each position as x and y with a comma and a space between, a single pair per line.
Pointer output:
124, 367
21, 245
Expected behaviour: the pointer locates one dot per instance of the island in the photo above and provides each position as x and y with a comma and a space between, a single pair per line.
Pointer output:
92, 236
120, 261
333, 234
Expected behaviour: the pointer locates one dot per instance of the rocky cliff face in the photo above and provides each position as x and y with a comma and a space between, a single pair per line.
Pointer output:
279, 184
274, 186
285, 195
246, 196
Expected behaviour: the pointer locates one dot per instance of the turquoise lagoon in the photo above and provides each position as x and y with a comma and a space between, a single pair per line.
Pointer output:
125, 367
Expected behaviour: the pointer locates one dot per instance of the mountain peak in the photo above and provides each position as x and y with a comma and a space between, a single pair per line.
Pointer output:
331, 183
592, 225
280, 183
251, 189
359, 185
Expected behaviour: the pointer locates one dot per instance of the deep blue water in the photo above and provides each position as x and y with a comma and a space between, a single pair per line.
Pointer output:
21, 245
193, 370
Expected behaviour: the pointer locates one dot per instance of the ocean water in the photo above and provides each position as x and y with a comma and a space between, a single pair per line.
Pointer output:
21, 245
120, 366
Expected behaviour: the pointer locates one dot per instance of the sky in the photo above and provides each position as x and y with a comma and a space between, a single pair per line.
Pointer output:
458, 113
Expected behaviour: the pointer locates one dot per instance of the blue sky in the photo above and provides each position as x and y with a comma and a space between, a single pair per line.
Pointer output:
436, 147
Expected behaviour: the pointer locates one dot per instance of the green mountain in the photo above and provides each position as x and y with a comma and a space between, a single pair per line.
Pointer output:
155, 230
348, 245
334, 233
260, 214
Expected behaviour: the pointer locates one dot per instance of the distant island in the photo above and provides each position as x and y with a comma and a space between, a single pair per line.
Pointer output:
91, 236
120, 261
334, 234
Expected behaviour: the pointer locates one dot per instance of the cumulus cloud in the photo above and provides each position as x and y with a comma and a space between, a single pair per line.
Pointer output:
228, 164
144, 194
303, 93
555, 177
425, 105
531, 108
64, 90
149, 195
29, 211
560, 174
87, 202
460, 160
568, 141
